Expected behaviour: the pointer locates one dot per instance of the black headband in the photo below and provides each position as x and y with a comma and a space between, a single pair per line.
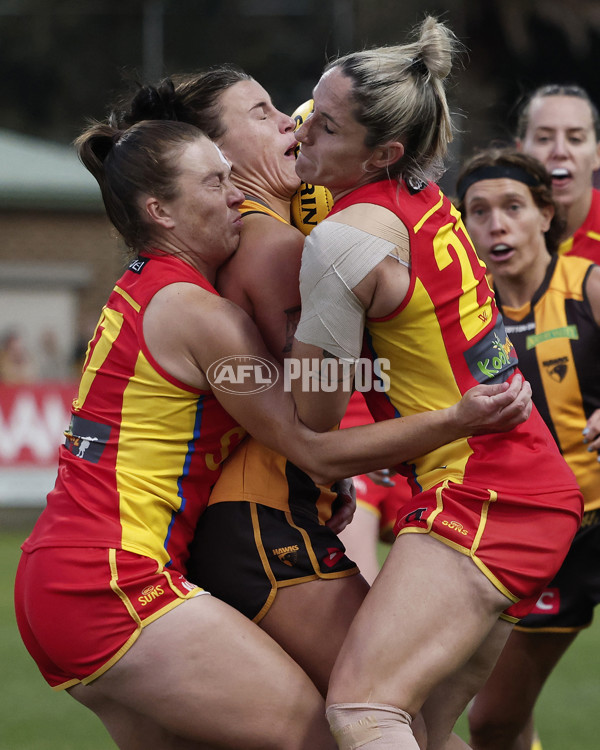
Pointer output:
495, 172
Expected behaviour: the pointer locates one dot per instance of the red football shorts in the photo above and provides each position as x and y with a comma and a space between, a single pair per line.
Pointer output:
518, 541
80, 609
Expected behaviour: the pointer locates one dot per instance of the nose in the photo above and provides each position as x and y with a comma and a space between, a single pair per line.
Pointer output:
559, 145
287, 123
496, 223
303, 130
235, 197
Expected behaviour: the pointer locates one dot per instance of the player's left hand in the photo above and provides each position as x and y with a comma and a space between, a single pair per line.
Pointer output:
383, 477
345, 512
591, 433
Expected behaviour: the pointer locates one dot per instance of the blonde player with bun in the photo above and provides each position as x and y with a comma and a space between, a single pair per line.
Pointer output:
391, 273
378, 496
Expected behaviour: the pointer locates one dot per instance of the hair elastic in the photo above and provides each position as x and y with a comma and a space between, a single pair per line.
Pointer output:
495, 172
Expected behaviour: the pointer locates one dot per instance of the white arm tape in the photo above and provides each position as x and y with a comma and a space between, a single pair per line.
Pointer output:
335, 259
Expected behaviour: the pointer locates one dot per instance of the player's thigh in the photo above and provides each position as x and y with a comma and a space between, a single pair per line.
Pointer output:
311, 620
130, 729
205, 672
426, 614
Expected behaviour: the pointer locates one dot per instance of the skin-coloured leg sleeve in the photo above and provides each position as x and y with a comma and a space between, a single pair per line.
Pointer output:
370, 726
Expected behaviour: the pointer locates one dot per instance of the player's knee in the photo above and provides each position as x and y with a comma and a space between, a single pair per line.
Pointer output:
370, 726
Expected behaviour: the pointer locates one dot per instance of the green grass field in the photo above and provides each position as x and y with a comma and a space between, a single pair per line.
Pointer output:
33, 717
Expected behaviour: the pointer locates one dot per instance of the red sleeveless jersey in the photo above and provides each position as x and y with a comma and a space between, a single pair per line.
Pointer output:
445, 337
143, 449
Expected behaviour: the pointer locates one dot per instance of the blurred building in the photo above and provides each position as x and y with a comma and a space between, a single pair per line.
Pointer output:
59, 256
58, 261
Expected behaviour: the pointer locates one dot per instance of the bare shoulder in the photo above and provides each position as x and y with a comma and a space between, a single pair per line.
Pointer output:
186, 328
592, 289
269, 249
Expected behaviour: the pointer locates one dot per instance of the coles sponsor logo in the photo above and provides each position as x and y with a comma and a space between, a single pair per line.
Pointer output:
548, 603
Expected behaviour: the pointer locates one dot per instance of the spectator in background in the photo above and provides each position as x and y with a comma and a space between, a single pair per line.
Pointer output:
53, 362
551, 309
559, 125
16, 365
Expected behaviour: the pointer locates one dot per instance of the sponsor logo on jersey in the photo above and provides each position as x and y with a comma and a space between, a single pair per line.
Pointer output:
287, 555
185, 584
137, 265
415, 185
519, 327
333, 556
493, 358
86, 439
149, 594
455, 526
548, 603
566, 332
415, 515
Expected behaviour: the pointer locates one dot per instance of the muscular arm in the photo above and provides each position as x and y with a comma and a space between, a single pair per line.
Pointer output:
187, 329
262, 278
379, 293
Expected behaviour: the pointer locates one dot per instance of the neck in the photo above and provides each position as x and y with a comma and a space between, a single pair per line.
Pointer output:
278, 203
576, 214
190, 258
516, 291
366, 179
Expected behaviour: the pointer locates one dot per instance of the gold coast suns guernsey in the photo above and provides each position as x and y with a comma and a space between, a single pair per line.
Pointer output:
585, 242
254, 473
558, 342
446, 337
143, 449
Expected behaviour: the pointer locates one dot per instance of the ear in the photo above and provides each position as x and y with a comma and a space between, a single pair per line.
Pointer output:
547, 213
518, 144
386, 155
597, 157
158, 213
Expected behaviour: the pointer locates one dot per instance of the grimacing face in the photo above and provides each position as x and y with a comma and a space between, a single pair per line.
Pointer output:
203, 220
259, 140
333, 151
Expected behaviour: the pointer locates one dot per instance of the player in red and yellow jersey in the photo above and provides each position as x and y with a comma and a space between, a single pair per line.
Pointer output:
393, 268
101, 595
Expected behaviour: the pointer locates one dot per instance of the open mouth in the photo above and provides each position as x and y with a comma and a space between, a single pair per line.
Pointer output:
500, 252
560, 175
292, 150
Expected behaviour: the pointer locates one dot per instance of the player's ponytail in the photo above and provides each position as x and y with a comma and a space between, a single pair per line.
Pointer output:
400, 96
131, 162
